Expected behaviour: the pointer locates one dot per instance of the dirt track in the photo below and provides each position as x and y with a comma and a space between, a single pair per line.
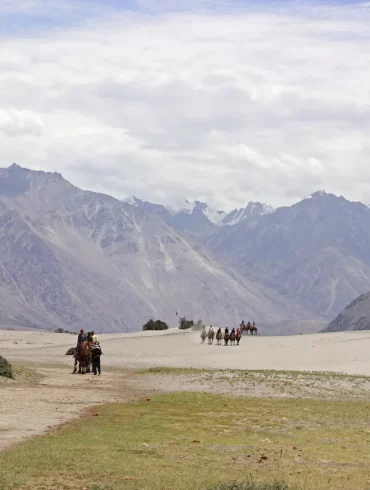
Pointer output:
39, 400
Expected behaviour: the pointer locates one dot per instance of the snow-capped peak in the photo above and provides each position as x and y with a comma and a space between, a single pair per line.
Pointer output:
215, 216
252, 210
132, 200
189, 207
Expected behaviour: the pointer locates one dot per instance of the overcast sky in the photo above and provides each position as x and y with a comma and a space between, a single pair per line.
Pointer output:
222, 101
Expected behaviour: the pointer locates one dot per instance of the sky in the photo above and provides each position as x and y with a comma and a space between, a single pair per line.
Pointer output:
223, 101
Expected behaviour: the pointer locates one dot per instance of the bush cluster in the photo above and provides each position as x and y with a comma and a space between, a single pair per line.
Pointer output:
155, 325
61, 330
70, 352
5, 368
185, 324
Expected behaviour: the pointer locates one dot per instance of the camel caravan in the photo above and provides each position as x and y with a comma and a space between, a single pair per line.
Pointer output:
232, 337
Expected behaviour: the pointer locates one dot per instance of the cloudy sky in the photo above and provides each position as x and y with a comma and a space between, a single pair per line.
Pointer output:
225, 101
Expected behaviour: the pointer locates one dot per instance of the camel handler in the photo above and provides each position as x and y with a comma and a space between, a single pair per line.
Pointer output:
96, 352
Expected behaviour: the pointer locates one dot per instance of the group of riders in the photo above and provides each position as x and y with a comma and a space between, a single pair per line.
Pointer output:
91, 341
233, 336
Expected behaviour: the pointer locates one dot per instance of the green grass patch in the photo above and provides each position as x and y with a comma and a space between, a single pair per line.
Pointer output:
6, 370
26, 375
251, 372
191, 441
251, 486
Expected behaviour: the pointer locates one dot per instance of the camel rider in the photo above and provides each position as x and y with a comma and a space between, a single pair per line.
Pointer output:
94, 337
81, 339
89, 338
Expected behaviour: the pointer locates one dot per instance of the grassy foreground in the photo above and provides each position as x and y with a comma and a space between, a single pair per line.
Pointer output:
193, 441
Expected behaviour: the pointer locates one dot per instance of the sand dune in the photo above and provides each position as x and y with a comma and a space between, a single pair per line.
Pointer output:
341, 352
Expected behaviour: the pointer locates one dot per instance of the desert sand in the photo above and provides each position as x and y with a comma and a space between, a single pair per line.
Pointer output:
50, 394
347, 352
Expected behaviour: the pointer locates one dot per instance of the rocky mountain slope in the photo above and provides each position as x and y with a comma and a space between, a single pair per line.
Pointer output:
316, 252
355, 317
71, 258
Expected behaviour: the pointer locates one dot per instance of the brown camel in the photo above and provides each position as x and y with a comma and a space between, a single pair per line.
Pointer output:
83, 358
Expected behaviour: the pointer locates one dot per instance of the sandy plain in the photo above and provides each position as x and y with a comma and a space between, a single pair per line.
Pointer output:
45, 393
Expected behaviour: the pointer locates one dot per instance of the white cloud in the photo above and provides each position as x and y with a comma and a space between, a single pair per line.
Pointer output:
15, 123
233, 106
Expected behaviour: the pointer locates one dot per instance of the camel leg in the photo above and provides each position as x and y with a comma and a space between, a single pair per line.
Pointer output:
75, 367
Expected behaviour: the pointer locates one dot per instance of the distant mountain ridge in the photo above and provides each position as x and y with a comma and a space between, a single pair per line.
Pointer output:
316, 252
200, 217
72, 258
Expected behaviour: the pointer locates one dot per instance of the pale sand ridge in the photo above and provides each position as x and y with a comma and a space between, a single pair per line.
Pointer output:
347, 352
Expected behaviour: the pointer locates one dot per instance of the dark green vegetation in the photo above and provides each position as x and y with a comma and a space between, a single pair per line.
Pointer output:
61, 330
5, 368
184, 324
70, 351
155, 325
200, 441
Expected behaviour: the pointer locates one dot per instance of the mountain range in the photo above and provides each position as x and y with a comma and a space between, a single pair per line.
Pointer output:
71, 258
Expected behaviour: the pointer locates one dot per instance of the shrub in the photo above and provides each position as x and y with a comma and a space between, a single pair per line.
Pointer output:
155, 325
59, 330
5, 368
251, 486
70, 352
184, 323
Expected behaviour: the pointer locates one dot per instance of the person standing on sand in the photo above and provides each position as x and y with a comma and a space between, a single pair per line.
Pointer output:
96, 352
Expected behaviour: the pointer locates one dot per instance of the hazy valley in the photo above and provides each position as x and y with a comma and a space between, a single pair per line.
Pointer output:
71, 258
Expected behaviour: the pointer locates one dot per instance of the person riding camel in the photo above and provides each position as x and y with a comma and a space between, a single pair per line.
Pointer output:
81, 339
94, 337
89, 338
